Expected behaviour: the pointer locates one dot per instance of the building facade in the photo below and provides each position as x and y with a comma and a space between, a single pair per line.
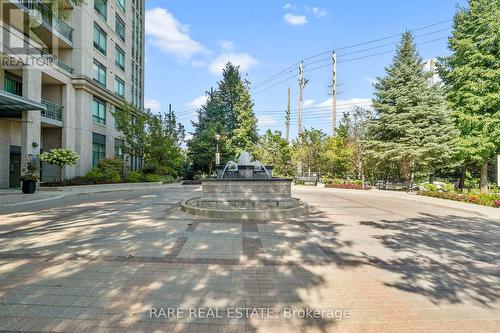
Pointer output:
64, 70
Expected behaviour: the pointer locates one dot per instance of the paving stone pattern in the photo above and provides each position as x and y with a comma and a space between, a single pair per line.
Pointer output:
101, 263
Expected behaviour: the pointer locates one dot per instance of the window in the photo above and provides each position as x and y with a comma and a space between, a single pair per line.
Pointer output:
98, 148
119, 58
99, 73
119, 149
100, 39
120, 27
98, 111
121, 4
101, 7
13, 85
119, 86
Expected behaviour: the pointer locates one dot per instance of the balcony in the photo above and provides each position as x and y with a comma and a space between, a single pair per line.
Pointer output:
58, 62
54, 111
40, 11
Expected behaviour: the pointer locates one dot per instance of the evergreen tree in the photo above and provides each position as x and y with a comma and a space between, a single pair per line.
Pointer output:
273, 150
202, 146
237, 105
412, 125
228, 112
472, 81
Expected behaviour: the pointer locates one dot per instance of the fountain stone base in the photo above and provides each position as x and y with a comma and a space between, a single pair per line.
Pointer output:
245, 191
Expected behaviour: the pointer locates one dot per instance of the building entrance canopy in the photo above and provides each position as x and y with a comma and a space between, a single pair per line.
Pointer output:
12, 106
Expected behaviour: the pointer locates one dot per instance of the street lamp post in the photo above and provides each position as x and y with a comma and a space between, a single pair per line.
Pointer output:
217, 155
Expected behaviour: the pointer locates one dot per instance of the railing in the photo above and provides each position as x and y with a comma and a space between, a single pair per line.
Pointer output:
38, 9
58, 62
54, 111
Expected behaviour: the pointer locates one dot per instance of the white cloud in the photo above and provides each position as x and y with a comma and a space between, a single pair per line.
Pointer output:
290, 6
308, 103
265, 120
294, 19
318, 12
197, 102
343, 105
244, 60
226, 45
168, 34
152, 104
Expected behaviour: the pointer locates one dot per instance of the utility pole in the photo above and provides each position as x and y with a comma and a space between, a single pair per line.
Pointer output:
302, 84
334, 92
287, 118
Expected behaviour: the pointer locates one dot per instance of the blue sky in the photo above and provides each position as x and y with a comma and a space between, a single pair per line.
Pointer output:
187, 42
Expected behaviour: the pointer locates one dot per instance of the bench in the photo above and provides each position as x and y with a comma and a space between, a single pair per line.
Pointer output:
306, 180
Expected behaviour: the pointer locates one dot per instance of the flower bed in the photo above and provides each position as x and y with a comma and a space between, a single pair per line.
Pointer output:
349, 186
491, 200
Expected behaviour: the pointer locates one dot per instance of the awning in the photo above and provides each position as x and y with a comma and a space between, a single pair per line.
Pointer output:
12, 106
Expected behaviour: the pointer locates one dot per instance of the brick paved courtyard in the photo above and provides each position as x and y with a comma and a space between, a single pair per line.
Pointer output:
102, 262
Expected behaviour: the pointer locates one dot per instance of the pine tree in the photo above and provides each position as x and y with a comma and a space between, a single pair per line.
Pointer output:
412, 125
238, 110
472, 80
202, 146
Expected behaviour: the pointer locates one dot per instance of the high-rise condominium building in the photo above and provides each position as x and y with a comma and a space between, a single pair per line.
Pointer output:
64, 69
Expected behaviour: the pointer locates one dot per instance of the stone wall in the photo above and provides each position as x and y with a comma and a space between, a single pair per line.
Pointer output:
242, 189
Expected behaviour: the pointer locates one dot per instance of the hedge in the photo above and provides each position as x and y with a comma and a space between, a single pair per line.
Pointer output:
492, 200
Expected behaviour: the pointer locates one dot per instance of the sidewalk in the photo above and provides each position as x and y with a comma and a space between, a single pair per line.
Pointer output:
463, 206
14, 197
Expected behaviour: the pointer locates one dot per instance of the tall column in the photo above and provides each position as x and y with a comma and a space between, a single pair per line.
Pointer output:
31, 127
4, 153
69, 121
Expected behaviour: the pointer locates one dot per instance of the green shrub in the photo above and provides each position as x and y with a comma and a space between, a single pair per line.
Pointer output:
152, 178
110, 164
430, 187
480, 199
150, 169
134, 177
99, 176
167, 179
448, 187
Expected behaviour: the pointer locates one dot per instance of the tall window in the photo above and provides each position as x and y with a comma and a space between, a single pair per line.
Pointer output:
119, 86
101, 7
98, 110
13, 85
119, 149
121, 4
99, 73
119, 58
100, 39
120, 27
98, 148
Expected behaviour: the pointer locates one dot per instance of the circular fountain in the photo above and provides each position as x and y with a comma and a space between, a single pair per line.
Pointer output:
245, 190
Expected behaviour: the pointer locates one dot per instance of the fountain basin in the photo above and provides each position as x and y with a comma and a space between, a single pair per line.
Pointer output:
245, 199
245, 191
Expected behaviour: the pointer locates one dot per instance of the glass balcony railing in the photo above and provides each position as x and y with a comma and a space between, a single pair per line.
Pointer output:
39, 10
54, 111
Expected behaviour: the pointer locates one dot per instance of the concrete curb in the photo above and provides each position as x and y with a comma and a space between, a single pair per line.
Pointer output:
260, 214
33, 201
101, 187
89, 189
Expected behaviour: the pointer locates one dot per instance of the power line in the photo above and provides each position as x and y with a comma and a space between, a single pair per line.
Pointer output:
290, 68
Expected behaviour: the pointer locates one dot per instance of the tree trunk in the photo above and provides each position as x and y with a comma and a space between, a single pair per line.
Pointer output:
461, 183
484, 176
